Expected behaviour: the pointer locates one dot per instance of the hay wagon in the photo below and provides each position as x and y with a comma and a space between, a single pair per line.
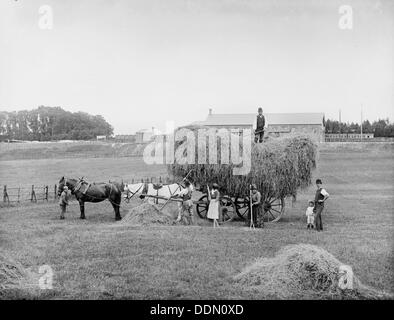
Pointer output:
279, 167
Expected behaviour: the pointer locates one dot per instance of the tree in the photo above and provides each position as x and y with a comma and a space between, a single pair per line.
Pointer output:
52, 123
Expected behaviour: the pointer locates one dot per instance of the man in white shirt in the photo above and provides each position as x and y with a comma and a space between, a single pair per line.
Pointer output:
320, 197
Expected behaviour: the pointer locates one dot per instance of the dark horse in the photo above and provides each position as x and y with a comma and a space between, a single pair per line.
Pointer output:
94, 192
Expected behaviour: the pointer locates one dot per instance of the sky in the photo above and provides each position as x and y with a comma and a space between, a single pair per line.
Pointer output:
141, 63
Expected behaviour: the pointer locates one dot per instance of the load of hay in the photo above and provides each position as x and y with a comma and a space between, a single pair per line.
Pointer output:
12, 274
146, 214
300, 271
279, 167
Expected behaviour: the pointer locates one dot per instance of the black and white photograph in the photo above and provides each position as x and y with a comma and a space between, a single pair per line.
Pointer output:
208, 152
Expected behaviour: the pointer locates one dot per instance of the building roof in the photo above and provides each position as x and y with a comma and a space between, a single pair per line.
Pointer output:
246, 119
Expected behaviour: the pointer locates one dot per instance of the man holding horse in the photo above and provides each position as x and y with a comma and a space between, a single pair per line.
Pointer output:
94, 192
64, 201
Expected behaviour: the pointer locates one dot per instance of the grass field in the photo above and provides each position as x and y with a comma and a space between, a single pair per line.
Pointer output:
98, 258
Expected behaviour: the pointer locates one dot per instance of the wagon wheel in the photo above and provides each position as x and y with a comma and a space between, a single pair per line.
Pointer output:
227, 209
202, 207
242, 207
273, 209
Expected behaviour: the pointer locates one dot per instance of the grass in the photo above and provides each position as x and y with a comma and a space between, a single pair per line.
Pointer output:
99, 259
69, 150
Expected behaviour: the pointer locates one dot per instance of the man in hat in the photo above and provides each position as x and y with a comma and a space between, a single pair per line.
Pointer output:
186, 208
64, 201
320, 197
260, 127
256, 208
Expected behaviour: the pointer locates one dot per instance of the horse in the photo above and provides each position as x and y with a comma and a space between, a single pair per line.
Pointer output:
151, 189
94, 192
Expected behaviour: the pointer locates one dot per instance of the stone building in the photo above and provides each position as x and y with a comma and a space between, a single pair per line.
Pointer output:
278, 124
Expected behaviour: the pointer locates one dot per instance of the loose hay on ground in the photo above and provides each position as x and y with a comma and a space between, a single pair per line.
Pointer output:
12, 274
300, 271
146, 214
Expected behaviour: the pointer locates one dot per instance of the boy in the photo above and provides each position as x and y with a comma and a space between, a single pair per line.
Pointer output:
63, 201
310, 216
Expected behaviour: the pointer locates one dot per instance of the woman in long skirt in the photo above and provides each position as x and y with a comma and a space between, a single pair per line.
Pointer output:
214, 204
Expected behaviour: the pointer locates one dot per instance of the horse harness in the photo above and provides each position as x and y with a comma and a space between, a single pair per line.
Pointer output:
81, 182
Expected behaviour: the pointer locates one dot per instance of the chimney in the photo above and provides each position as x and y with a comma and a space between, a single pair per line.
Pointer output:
210, 111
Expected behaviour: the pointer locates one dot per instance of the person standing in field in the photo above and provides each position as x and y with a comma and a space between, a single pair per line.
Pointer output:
310, 216
258, 219
186, 209
320, 197
64, 201
260, 127
214, 204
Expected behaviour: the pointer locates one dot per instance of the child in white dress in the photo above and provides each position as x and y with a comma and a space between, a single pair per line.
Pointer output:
310, 216
214, 202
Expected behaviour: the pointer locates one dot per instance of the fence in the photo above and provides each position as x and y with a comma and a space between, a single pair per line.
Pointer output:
48, 193
32, 194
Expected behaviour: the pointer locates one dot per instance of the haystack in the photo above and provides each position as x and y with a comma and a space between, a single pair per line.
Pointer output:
279, 167
300, 271
146, 214
12, 274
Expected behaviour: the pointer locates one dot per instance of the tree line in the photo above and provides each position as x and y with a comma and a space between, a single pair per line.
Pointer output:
52, 123
380, 128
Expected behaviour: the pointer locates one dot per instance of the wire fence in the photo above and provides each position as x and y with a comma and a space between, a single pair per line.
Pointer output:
29, 194
47, 193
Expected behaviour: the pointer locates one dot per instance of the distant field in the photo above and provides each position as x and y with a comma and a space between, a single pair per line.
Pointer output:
49, 171
97, 258
77, 149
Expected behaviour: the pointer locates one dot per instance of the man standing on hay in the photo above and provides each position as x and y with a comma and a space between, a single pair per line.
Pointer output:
320, 197
260, 127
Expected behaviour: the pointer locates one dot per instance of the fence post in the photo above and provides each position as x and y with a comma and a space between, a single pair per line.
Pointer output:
46, 193
19, 194
55, 192
33, 194
5, 195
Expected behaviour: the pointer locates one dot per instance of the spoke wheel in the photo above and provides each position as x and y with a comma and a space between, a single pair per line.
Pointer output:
242, 207
274, 208
202, 207
227, 209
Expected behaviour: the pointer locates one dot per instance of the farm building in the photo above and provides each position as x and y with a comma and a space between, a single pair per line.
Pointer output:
145, 135
101, 138
278, 124
348, 137
125, 138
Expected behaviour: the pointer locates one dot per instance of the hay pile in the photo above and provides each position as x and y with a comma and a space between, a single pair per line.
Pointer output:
300, 271
146, 214
280, 166
12, 274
